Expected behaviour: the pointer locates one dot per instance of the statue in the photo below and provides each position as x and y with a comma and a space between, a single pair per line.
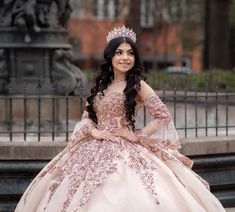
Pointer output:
32, 15
24, 17
6, 12
33, 32
68, 77
64, 11
43, 15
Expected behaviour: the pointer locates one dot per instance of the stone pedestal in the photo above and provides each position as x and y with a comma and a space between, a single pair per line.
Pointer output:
34, 52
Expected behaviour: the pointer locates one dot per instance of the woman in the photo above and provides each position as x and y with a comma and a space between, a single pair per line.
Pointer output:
108, 166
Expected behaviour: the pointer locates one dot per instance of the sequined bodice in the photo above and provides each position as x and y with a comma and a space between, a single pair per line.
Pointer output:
110, 111
87, 161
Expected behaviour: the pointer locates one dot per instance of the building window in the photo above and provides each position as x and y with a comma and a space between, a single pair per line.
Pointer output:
147, 11
105, 9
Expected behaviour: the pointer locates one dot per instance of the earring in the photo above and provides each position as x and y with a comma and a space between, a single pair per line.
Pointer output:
110, 68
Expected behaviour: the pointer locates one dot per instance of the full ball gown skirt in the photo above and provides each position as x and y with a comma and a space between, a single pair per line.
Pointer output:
92, 175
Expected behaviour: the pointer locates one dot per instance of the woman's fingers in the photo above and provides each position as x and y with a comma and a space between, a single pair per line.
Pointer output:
120, 132
107, 135
127, 134
112, 136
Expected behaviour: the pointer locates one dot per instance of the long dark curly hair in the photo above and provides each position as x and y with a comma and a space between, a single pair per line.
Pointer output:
104, 77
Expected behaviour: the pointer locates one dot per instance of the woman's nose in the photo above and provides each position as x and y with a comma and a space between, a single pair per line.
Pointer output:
124, 55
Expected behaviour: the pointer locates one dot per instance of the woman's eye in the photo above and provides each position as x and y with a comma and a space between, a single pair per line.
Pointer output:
118, 52
131, 53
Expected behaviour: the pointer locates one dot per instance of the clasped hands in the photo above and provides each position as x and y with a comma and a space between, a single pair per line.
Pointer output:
124, 133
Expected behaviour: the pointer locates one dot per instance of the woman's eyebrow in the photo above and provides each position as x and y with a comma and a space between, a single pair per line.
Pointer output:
124, 50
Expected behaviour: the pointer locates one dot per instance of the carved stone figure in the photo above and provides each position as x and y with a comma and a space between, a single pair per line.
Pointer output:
64, 11
24, 16
33, 14
23, 22
6, 12
67, 76
43, 14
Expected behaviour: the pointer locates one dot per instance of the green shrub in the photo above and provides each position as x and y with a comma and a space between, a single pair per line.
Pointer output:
214, 79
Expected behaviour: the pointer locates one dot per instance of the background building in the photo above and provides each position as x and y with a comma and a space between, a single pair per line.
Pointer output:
169, 33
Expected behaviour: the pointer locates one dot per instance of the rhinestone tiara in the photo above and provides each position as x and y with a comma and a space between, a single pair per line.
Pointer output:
121, 32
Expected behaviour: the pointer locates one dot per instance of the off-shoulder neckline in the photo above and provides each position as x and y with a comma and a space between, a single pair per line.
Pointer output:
113, 92
123, 95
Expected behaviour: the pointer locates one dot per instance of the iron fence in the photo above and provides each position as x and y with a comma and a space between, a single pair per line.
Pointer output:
195, 114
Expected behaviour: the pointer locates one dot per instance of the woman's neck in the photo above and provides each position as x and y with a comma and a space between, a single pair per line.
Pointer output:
119, 77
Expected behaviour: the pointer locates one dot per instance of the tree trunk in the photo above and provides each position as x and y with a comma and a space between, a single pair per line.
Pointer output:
217, 34
133, 19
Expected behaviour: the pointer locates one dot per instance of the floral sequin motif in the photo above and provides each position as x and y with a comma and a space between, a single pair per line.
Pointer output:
75, 169
110, 111
162, 119
144, 169
111, 114
154, 146
170, 145
157, 109
48, 169
91, 161
52, 165
101, 166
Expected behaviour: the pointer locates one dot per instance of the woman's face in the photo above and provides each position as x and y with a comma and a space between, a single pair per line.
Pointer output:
123, 59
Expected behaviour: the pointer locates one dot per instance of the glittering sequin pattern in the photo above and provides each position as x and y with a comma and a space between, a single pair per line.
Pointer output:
91, 161
157, 109
162, 122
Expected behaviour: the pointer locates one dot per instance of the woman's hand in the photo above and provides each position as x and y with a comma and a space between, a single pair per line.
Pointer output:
104, 134
184, 159
127, 134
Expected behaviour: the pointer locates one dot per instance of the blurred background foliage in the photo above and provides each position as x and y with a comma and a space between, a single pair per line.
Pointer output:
213, 80
198, 34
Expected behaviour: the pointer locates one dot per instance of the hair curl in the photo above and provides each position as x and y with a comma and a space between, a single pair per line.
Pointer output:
105, 76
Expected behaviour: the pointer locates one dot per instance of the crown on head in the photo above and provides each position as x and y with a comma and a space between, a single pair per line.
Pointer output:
121, 32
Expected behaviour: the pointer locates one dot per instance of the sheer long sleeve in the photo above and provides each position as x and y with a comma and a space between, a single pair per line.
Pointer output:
161, 132
82, 129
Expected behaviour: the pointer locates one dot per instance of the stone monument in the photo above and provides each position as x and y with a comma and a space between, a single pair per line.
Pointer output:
34, 50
